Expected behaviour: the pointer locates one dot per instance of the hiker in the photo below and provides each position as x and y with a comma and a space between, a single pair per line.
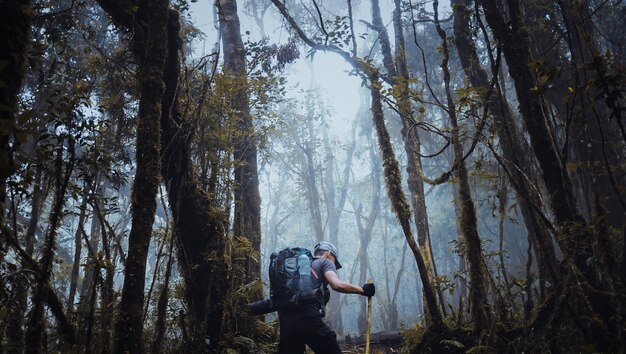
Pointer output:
303, 324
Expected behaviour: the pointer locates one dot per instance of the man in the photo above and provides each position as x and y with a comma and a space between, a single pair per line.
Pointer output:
303, 324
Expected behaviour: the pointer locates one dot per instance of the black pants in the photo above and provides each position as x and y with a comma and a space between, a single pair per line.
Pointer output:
296, 332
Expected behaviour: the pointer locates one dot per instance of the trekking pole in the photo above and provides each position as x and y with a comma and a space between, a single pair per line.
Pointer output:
369, 321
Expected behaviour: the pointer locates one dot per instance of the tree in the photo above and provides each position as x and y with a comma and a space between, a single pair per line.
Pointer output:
518, 166
149, 27
247, 217
16, 22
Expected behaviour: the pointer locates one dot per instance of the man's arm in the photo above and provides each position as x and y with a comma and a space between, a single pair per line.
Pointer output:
341, 286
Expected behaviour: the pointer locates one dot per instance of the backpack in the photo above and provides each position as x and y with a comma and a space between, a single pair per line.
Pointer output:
290, 277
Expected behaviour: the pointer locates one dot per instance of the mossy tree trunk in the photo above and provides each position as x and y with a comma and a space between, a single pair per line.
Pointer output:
399, 205
199, 224
247, 200
469, 229
147, 20
247, 217
514, 41
412, 147
518, 165
596, 116
575, 237
398, 76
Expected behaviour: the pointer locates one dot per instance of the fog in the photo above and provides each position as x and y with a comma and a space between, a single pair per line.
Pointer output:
344, 100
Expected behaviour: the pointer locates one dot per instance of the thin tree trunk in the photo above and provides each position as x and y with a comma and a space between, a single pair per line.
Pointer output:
515, 47
365, 231
398, 201
159, 326
469, 229
313, 197
78, 247
54, 303
517, 164
15, 317
35, 329
412, 148
335, 209
92, 242
107, 295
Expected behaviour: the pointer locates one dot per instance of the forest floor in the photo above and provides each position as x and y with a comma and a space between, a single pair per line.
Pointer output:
375, 348
387, 342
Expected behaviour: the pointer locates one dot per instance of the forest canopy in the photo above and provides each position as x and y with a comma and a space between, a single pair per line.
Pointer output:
467, 156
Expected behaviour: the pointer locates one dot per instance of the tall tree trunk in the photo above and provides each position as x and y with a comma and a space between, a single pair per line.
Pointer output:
365, 231
149, 26
412, 148
15, 27
199, 224
247, 211
90, 279
247, 218
398, 200
469, 229
593, 131
107, 295
335, 209
412, 145
517, 164
15, 317
78, 247
576, 238
515, 46
15, 22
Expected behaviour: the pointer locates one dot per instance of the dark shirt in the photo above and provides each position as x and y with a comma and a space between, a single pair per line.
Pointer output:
319, 266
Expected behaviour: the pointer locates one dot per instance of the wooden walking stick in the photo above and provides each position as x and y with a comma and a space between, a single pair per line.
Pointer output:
369, 322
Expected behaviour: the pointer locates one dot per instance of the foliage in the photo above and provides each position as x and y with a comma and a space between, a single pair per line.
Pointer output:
81, 94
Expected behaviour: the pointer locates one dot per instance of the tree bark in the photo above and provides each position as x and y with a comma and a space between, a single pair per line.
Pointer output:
159, 326
412, 147
200, 226
78, 243
310, 180
149, 27
365, 232
594, 136
575, 237
469, 229
517, 164
247, 217
515, 46
398, 200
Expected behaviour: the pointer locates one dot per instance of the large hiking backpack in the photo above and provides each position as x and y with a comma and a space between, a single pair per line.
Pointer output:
290, 276
291, 284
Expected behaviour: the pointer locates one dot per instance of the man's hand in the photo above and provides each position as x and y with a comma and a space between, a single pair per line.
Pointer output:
369, 290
